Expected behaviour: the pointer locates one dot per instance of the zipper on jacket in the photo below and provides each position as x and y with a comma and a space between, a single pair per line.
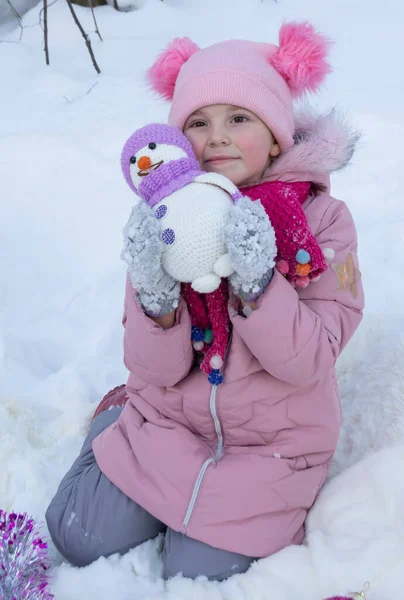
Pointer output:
209, 461
218, 454
195, 493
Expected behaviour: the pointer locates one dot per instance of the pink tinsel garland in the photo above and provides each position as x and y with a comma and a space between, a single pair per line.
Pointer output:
23, 559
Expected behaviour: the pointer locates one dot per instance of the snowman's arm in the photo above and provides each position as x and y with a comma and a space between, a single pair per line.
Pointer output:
220, 181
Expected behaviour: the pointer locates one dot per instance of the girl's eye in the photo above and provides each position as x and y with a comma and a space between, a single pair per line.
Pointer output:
240, 119
197, 124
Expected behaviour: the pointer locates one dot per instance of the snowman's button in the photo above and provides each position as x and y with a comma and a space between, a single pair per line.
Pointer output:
161, 211
168, 236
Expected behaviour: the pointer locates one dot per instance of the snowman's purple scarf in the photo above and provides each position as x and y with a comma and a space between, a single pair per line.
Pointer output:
168, 178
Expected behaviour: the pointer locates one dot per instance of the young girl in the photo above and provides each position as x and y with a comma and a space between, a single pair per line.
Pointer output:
228, 467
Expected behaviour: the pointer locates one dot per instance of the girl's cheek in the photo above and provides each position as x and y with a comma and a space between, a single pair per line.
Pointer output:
197, 147
256, 147
252, 143
198, 151
245, 141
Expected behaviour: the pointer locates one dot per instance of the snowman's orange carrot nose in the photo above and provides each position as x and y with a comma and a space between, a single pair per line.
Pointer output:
144, 163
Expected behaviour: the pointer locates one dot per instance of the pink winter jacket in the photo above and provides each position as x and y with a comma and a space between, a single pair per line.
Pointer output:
238, 466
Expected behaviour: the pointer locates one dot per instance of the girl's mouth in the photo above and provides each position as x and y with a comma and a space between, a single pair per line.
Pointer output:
220, 159
151, 168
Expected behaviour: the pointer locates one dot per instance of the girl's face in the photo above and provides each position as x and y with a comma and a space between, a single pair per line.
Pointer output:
231, 141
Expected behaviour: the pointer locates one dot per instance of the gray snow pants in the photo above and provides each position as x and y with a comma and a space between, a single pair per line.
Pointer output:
90, 517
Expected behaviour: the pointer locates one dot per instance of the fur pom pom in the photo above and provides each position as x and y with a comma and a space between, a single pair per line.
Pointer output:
302, 57
163, 74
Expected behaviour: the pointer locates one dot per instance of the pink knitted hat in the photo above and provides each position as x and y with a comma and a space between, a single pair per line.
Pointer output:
262, 78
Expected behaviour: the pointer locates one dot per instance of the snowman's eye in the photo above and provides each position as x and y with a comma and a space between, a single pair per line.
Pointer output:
132, 160
152, 146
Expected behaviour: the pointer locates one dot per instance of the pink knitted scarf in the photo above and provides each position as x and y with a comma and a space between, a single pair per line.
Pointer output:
295, 240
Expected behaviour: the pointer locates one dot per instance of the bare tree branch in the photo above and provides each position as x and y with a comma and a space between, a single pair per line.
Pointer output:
95, 20
14, 10
18, 17
23, 27
85, 36
40, 15
45, 23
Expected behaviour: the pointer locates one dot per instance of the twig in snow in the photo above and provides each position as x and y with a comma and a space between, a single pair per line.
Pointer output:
93, 86
87, 92
45, 24
85, 36
95, 20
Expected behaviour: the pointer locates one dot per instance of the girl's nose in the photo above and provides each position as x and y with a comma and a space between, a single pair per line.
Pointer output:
144, 163
215, 142
219, 137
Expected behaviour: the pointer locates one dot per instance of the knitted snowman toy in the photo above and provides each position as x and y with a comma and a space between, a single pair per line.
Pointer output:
192, 207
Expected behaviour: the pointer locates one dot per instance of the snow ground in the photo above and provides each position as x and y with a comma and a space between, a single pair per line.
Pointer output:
63, 203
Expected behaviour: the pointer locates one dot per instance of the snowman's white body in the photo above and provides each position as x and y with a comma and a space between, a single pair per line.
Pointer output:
192, 221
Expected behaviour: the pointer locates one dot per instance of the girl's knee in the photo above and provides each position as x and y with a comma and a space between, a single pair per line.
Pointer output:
76, 545
96, 519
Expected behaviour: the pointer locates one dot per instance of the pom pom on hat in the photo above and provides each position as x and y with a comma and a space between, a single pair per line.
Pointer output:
302, 57
163, 74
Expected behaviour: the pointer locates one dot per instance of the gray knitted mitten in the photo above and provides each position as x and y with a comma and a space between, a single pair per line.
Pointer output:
250, 241
143, 249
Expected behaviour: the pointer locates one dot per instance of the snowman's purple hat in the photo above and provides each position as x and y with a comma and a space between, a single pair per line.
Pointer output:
172, 175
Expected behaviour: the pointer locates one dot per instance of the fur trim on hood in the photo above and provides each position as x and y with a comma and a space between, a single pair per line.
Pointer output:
323, 144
